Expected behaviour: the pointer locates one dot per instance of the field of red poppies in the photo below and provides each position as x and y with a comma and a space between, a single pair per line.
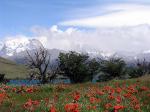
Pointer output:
113, 96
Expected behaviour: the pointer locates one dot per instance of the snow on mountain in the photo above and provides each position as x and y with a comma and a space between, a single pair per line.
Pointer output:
15, 49
17, 45
99, 54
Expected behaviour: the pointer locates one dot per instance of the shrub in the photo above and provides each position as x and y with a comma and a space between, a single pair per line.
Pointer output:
112, 68
78, 67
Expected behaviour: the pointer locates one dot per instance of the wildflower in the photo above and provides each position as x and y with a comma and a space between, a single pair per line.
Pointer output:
52, 109
111, 97
94, 107
30, 104
134, 100
118, 99
94, 100
118, 90
127, 95
100, 93
2, 97
14, 89
143, 88
72, 107
137, 106
76, 96
108, 105
89, 107
118, 107
29, 90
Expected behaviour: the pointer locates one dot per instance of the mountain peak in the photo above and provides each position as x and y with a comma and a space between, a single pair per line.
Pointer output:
13, 46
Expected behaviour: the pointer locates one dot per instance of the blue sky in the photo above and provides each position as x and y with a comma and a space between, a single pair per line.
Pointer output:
109, 25
18, 16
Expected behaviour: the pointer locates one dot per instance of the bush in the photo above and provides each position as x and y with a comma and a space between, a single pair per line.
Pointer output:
141, 68
78, 67
112, 68
2, 78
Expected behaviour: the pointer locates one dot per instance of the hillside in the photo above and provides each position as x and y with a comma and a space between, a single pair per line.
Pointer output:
11, 69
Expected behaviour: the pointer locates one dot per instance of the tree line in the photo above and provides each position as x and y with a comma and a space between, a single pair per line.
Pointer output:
79, 67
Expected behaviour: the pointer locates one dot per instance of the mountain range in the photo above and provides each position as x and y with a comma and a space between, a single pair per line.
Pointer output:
15, 50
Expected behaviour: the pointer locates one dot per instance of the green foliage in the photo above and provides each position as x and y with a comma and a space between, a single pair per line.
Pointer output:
78, 67
93, 66
141, 68
134, 72
113, 67
60, 95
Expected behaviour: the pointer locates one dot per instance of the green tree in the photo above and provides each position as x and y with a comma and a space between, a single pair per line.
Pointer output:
78, 67
141, 68
93, 67
113, 67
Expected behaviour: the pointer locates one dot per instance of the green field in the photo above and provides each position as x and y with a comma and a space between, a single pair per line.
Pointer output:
12, 70
114, 96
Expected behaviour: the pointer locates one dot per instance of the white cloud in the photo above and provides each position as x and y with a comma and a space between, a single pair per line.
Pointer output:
119, 15
103, 39
131, 39
56, 38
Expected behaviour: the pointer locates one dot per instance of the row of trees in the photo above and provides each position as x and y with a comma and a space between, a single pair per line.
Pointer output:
81, 68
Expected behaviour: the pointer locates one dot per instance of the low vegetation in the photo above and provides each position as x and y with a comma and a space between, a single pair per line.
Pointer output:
12, 70
113, 96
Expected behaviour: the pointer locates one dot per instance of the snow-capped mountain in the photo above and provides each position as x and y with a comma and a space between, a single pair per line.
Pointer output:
14, 46
15, 50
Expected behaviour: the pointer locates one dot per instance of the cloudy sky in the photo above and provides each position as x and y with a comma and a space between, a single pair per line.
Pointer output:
107, 25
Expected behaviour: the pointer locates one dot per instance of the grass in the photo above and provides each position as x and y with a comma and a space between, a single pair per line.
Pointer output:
12, 70
88, 97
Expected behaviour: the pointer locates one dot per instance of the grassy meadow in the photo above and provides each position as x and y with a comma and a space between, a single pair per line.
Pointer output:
12, 70
132, 95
